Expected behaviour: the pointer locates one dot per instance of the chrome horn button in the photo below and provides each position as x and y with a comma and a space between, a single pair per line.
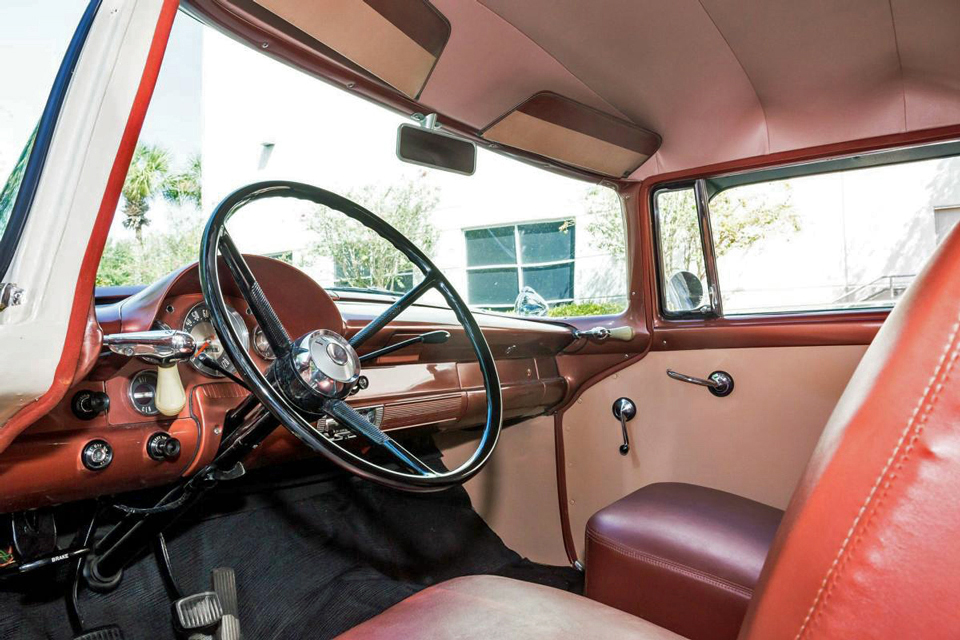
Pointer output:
324, 356
321, 364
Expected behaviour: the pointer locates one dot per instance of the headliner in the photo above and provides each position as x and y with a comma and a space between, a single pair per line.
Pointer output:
718, 80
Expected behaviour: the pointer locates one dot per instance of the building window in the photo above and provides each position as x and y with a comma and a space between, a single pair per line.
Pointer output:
503, 260
944, 219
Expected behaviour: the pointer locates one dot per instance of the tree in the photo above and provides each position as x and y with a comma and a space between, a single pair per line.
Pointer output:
126, 261
361, 257
151, 256
740, 218
603, 209
186, 187
146, 177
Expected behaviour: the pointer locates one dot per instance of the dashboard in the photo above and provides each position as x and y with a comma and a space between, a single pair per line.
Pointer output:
70, 455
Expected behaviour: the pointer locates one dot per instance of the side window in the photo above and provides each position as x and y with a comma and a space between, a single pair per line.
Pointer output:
844, 240
682, 266
36, 36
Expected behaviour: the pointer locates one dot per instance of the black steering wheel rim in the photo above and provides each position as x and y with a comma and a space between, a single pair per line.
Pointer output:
216, 242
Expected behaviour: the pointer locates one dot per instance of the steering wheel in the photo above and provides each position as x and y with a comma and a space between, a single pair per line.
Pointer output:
313, 373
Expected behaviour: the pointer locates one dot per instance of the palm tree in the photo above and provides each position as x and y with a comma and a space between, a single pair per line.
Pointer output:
186, 186
147, 176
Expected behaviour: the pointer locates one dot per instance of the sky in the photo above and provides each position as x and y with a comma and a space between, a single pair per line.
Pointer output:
174, 117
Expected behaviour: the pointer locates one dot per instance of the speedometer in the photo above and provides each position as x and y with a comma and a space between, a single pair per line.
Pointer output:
197, 324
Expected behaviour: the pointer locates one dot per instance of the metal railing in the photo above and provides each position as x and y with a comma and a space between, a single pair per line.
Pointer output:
888, 287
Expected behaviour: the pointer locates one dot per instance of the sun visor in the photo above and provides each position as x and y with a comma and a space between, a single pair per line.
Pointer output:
561, 129
398, 41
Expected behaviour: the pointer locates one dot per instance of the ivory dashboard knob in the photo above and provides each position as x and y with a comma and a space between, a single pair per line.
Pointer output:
170, 397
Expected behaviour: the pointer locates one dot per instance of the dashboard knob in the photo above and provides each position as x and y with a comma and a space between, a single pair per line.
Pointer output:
87, 405
97, 455
162, 446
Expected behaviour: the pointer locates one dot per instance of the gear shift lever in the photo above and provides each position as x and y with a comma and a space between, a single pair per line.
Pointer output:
166, 349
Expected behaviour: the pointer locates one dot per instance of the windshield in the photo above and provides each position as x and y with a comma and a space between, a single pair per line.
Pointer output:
512, 237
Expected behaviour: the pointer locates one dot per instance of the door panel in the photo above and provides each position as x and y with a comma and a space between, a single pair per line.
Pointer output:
754, 442
516, 493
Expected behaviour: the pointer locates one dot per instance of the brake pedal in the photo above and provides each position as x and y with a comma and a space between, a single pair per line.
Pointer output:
199, 613
111, 632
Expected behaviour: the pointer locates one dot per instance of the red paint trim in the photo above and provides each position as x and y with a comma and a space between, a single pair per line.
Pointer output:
64, 376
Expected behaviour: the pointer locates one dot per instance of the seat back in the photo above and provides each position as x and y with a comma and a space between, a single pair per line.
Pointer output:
870, 543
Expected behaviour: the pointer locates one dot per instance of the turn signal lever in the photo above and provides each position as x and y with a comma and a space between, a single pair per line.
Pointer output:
624, 410
164, 348
431, 337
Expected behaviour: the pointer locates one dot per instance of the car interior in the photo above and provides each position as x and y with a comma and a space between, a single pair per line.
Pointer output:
476, 319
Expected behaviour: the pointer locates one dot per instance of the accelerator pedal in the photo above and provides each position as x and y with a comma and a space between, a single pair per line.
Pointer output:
229, 629
111, 632
225, 586
198, 614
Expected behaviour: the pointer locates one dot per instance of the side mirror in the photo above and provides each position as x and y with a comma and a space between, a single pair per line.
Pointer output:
428, 148
685, 291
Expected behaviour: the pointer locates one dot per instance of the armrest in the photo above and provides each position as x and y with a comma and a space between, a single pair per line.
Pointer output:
682, 556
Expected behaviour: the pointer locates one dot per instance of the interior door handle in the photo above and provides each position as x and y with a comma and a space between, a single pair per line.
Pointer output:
719, 383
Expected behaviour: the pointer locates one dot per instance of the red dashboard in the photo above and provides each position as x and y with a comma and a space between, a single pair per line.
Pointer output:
426, 386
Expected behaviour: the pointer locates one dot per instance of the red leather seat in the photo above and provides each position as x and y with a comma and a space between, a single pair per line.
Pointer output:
868, 545
491, 607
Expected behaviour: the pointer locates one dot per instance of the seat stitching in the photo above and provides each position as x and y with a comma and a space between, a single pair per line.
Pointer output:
670, 565
927, 401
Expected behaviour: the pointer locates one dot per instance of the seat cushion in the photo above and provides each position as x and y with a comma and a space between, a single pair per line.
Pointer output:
682, 556
495, 608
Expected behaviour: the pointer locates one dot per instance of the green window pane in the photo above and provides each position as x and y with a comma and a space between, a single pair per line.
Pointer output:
492, 286
547, 241
554, 282
490, 246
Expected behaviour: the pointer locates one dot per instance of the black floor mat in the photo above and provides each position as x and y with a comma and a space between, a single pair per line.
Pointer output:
311, 562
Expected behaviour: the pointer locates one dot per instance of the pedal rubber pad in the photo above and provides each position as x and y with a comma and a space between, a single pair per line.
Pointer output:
111, 632
225, 585
199, 612
229, 629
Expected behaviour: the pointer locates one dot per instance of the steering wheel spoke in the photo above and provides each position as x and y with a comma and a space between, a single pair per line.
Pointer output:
251, 291
407, 299
348, 417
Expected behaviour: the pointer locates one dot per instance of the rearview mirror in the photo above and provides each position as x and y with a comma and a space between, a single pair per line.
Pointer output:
436, 150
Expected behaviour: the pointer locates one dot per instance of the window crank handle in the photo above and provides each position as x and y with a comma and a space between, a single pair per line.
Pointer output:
719, 383
624, 410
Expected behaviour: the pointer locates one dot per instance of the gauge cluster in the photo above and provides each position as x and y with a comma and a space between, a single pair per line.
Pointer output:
210, 359
198, 324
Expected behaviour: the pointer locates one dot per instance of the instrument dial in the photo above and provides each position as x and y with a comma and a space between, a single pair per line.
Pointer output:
197, 323
261, 346
143, 392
